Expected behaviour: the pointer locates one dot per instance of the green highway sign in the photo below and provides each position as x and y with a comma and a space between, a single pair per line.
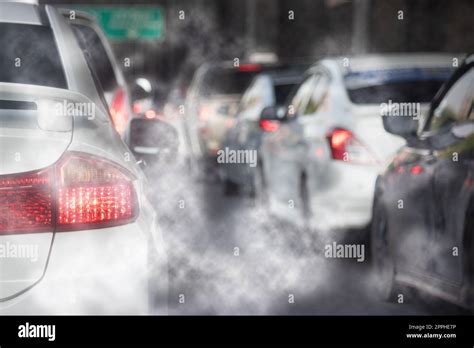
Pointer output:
128, 23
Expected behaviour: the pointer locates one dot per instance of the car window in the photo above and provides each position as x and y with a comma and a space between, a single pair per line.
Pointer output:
301, 97
318, 95
96, 54
29, 55
225, 81
457, 105
282, 91
398, 85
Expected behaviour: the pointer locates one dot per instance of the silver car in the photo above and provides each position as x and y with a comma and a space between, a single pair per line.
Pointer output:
77, 233
266, 90
321, 161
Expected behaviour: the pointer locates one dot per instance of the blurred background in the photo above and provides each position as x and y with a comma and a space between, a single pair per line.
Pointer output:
166, 40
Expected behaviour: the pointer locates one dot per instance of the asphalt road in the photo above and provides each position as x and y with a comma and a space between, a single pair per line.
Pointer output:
227, 256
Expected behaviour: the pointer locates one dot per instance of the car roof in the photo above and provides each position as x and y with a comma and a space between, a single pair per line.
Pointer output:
372, 62
24, 13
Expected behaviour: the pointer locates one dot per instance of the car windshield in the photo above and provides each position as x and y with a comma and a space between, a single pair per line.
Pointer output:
398, 85
225, 81
29, 55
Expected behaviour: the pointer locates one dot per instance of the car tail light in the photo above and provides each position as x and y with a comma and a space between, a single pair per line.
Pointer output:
204, 112
79, 192
150, 114
250, 67
346, 147
269, 125
416, 169
119, 111
26, 202
137, 108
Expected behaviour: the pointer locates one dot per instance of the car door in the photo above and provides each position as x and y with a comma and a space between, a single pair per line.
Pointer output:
283, 149
452, 127
248, 112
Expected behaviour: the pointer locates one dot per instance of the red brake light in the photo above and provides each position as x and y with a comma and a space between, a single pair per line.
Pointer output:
416, 169
250, 67
25, 202
269, 125
338, 140
346, 147
119, 111
204, 113
137, 108
79, 192
150, 114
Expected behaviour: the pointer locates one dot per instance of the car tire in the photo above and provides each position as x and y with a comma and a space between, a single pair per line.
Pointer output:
260, 189
305, 200
230, 188
383, 266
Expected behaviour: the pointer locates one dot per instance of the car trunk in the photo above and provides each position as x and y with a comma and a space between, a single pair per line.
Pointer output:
33, 136
217, 116
368, 128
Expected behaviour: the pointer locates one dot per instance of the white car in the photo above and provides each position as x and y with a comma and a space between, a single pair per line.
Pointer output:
77, 233
321, 159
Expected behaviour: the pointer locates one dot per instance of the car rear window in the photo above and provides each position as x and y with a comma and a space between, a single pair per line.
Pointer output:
96, 56
29, 55
225, 81
283, 91
398, 85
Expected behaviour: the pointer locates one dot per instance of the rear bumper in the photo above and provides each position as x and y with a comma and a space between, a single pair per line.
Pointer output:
344, 198
103, 271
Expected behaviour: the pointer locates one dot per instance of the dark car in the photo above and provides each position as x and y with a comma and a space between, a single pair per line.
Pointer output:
266, 90
423, 226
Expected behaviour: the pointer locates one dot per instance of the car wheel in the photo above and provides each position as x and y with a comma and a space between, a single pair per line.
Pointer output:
382, 260
229, 187
260, 186
305, 199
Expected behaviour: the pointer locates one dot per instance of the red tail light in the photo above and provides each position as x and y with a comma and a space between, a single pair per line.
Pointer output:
119, 111
345, 147
250, 67
416, 169
204, 113
25, 202
150, 114
79, 192
269, 126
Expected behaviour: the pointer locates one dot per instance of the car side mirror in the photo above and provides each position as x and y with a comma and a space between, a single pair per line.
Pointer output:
403, 125
152, 140
271, 117
273, 113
